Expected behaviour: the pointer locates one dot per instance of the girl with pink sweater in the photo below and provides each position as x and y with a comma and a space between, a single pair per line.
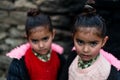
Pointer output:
88, 61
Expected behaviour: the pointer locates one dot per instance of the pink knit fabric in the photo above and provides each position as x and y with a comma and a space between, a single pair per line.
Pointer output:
113, 60
99, 70
18, 52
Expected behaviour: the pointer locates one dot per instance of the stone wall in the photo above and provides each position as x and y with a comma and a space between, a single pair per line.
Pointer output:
12, 20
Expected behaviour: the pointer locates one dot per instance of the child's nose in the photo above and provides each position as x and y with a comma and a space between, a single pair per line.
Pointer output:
41, 44
86, 48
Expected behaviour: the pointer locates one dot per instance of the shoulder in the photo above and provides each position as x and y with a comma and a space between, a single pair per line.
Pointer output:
70, 58
16, 64
17, 67
111, 59
17, 70
20, 51
72, 55
61, 57
64, 70
114, 74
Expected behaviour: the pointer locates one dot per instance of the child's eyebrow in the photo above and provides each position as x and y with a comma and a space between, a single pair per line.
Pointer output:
88, 41
46, 37
80, 40
94, 41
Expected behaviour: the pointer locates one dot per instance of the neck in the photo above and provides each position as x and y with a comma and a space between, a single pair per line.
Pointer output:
84, 64
42, 57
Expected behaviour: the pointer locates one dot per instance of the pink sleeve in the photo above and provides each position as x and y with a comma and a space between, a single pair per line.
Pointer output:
18, 52
59, 49
113, 60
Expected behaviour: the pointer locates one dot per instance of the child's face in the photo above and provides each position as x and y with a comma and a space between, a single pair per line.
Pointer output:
88, 43
40, 39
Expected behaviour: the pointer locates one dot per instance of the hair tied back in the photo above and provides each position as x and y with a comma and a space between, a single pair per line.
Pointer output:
33, 12
88, 11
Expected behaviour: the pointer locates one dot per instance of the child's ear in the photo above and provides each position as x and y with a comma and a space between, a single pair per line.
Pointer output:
25, 35
54, 32
72, 35
105, 40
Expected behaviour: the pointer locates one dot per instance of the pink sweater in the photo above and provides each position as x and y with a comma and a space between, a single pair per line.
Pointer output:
99, 70
112, 60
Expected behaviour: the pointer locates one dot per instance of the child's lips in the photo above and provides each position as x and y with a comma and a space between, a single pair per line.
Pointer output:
42, 50
85, 56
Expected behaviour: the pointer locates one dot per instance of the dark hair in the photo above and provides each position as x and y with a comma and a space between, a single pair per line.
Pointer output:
89, 18
35, 18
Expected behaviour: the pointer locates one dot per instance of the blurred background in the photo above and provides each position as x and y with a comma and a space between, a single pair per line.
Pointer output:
62, 13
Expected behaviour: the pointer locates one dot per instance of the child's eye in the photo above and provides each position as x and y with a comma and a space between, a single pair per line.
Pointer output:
93, 44
80, 42
34, 41
45, 38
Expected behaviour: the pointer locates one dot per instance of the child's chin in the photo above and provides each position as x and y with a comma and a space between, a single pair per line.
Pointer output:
85, 59
43, 52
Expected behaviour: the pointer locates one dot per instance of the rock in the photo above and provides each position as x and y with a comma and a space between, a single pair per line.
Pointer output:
24, 4
18, 16
61, 22
21, 27
4, 27
15, 33
3, 35
13, 42
3, 14
6, 5
62, 6
4, 64
3, 48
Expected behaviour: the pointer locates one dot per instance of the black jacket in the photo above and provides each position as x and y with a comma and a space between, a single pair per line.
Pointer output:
114, 74
18, 71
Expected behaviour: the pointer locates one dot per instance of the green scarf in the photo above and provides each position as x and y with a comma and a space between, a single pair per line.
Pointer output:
44, 58
85, 64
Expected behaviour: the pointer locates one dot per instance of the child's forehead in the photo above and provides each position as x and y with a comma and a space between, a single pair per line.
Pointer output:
87, 35
87, 30
39, 32
40, 28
